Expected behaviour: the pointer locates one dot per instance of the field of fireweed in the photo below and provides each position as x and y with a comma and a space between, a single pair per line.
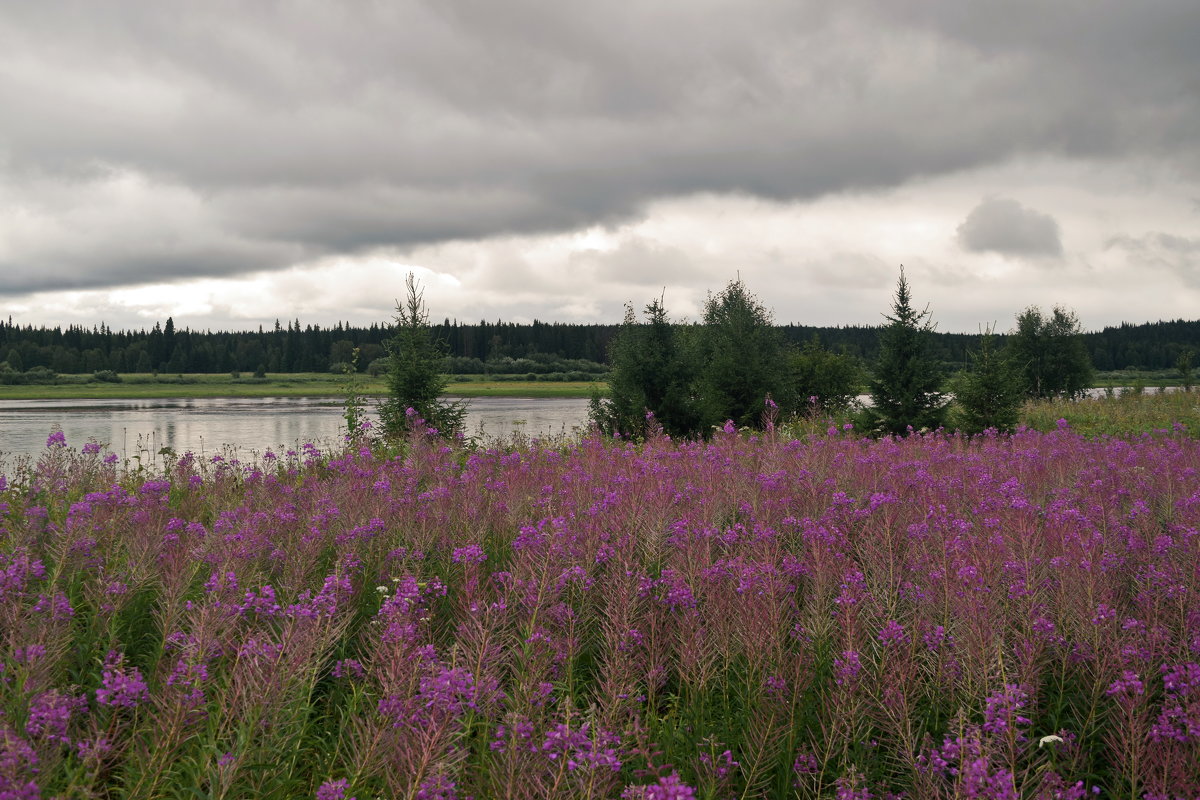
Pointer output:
750, 617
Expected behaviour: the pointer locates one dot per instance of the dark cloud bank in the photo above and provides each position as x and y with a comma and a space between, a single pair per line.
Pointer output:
211, 138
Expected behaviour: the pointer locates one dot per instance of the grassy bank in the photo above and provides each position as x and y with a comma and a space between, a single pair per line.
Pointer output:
313, 384
577, 389
1150, 379
1118, 415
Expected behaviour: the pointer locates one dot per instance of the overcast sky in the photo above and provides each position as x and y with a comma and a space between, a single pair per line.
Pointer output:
230, 163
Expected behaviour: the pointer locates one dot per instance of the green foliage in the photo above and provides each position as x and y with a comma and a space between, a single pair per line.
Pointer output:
743, 357
833, 379
653, 369
988, 394
1050, 354
695, 377
483, 347
906, 386
353, 410
415, 378
690, 378
40, 375
1183, 365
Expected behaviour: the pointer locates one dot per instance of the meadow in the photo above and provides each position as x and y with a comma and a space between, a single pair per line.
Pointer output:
1119, 415
814, 615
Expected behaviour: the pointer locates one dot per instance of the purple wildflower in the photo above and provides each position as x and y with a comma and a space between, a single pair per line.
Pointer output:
667, 788
580, 750
121, 686
29, 653
471, 554
437, 787
1128, 684
18, 762
893, 633
334, 790
846, 667
50, 716
721, 766
349, 668
1002, 711
189, 680
806, 764
17, 570
850, 787
1179, 678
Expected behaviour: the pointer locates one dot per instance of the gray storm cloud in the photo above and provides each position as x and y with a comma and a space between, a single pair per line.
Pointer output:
280, 132
1004, 226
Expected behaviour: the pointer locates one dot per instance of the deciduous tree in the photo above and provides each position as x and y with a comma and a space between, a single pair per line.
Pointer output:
823, 380
1184, 365
1050, 354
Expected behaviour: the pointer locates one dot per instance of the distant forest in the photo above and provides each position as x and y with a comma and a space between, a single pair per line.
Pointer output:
479, 348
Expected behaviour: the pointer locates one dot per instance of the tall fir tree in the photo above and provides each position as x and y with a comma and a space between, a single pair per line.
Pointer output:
906, 385
744, 358
415, 378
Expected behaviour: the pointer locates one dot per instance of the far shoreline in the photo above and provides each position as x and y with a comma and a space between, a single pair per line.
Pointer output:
148, 387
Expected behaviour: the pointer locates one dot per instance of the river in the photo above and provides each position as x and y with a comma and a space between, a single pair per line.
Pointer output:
211, 426
248, 426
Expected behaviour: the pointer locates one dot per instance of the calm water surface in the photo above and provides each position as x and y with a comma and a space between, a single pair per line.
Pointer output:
207, 426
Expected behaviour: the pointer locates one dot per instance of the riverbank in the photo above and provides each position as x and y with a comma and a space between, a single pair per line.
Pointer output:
147, 387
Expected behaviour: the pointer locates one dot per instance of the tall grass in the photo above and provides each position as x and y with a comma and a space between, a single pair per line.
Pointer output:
757, 616
1120, 414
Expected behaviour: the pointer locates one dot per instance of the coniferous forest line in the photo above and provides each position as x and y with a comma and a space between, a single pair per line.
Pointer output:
478, 348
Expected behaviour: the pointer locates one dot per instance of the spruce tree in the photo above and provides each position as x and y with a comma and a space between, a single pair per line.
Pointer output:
415, 378
988, 394
906, 386
652, 372
745, 359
